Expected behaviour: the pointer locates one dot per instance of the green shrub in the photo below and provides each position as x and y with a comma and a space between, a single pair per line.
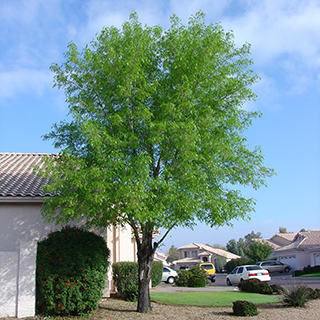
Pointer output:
183, 278
194, 277
306, 270
71, 272
237, 262
277, 289
197, 277
125, 277
264, 288
156, 273
255, 286
313, 294
249, 285
244, 308
295, 295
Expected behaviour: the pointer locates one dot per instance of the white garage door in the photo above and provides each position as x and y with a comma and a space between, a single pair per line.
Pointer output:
290, 260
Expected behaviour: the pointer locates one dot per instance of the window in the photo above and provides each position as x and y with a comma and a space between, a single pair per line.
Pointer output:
240, 270
194, 254
234, 271
187, 254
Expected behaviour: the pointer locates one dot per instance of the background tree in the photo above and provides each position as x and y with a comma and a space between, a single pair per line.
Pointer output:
156, 137
283, 230
258, 251
218, 246
251, 236
173, 254
237, 247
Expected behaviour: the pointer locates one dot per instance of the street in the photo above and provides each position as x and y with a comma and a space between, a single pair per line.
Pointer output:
220, 284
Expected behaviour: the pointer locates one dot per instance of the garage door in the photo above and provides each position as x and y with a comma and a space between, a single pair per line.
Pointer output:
290, 260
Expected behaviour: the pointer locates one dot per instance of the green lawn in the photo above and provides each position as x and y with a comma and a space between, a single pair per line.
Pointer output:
212, 299
311, 275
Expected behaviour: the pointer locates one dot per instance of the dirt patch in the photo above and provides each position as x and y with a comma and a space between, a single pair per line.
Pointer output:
113, 309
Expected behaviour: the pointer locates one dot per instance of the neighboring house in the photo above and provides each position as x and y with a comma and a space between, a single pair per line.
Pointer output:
159, 256
277, 241
21, 227
302, 251
195, 253
298, 250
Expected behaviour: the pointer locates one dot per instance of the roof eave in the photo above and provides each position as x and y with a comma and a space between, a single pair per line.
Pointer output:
10, 199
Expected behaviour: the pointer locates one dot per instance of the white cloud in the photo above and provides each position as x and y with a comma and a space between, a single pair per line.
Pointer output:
20, 81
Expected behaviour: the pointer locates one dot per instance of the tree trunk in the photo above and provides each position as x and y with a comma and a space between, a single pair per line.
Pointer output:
145, 261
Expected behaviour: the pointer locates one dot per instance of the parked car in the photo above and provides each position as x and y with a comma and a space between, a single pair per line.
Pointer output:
241, 273
169, 275
274, 266
210, 269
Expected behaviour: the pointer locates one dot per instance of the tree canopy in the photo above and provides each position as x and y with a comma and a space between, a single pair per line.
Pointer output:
173, 254
258, 251
156, 137
237, 247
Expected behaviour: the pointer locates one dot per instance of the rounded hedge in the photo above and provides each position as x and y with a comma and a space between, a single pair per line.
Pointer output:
125, 277
71, 272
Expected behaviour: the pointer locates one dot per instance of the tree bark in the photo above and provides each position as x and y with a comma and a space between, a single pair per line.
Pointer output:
145, 261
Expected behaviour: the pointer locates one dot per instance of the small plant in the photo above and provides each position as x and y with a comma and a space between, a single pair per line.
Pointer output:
244, 308
296, 295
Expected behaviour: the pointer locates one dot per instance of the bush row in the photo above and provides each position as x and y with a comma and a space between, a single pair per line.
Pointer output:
125, 277
306, 270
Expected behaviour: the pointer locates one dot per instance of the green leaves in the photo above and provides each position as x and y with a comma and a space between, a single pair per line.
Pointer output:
157, 133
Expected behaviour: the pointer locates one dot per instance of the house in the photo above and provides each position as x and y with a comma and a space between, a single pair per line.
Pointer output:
298, 250
159, 256
21, 227
303, 250
194, 253
277, 241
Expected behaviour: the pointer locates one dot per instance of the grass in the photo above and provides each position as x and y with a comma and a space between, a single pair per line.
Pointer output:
317, 274
212, 299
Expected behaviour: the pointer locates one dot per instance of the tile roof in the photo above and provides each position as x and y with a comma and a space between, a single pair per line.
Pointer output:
303, 241
17, 178
211, 250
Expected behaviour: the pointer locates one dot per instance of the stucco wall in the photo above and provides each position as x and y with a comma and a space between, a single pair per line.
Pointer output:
21, 226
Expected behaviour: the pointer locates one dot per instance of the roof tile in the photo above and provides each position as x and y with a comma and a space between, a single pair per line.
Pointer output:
17, 177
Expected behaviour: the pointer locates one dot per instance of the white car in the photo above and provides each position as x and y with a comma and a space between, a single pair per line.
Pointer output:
241, 273
168, 275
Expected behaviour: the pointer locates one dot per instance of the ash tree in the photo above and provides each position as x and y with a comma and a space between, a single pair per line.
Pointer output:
155, 138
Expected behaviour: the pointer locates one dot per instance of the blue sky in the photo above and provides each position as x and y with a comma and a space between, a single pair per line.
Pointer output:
285, 41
